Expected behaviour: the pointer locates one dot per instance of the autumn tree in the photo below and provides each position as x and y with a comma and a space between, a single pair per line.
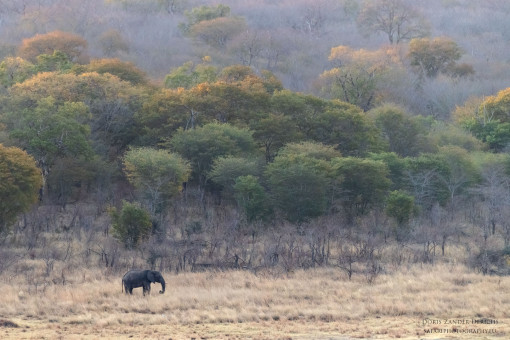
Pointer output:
487, 119
357, 74
431, 57
72, 45
20, 182
397, 19
217, 32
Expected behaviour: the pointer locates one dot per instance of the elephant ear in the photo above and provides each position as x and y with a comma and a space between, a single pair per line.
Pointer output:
150, 276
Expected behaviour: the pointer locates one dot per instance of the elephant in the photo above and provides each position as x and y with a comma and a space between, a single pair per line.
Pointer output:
142, 278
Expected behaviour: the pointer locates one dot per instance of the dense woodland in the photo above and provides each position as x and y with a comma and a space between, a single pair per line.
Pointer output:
185, 135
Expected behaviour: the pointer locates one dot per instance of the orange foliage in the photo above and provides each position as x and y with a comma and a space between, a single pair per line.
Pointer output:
71, 44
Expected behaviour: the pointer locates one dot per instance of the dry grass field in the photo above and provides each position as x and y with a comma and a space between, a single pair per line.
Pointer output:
416, 302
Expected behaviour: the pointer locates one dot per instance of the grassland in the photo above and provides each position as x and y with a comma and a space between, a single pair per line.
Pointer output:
311, 304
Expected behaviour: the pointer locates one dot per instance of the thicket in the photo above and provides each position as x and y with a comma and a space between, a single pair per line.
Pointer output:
223, 165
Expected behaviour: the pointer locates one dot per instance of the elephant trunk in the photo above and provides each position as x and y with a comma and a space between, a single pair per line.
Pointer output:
162, 291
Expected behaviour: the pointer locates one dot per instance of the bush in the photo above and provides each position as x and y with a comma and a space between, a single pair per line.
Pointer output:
132, 225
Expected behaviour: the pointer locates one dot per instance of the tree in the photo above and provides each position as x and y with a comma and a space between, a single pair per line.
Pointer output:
74, 46
58, 61
431, 57
347, 128
398, 129
300, 180
395, 18
189, 75
203, 13
400, 206
274, 131
252, 198
51, 130
124, 70
424, 176
217, 32
112, 42
358, 75
15, 70
226, 170
131, 225
202, 145
158, 175
364, 184
298, 189
462, 173
487, 119
162, 114
111, 102
20, 182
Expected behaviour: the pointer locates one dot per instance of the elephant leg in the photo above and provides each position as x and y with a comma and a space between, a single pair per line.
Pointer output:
146, 289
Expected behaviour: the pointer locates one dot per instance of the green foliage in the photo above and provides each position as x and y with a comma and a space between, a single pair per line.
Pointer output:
462, 173
188, 75
162, 114
202, 145
452, 135
203, 13
226, 170
495, 133
131, 225
58, 61
252, 198
400, 206
20, 182
426, 176
157, 174
15, 70
400, 131
298, 189
364, 184
274, 131
111, 102
347, 128
300, 180
51, 130
396, 166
